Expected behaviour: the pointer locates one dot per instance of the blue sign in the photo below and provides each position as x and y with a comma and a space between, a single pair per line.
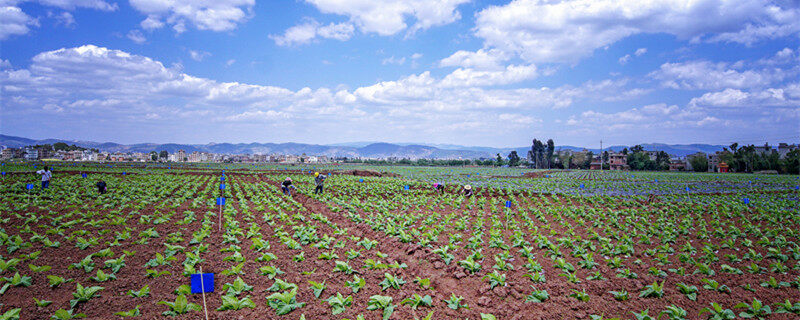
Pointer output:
29, 186
83, 175
687, 189
123, 173
746, 200
202, 282
656, 180
405, 187
220, 201
222, 186
467, 176
222, 178
4, 173
360, 180
508, 204
582, 186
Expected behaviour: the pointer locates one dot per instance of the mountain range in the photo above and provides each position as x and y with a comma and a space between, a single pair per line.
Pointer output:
352, 149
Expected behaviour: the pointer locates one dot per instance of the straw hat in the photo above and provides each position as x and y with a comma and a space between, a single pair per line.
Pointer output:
288, 179
316, 174
468, 187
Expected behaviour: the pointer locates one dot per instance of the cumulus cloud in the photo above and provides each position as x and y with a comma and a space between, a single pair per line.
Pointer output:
481, 59
13, 21
198, 55
387, 17
566, 31
124, 88
654, 116
311, 29
218, 15
705, 75
784, 96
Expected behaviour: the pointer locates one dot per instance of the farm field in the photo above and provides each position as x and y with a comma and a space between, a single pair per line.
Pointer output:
380, 243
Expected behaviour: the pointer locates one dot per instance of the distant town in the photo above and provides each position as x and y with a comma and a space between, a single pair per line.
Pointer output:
782, 158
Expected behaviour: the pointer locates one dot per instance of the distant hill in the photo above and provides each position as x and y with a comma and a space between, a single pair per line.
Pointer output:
352, 149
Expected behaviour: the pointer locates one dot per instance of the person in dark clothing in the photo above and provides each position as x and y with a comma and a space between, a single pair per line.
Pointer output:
319, 179
439, 187
101, 187
287, 186
467, 191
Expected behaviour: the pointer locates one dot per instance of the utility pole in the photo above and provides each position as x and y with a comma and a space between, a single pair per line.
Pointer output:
601, 155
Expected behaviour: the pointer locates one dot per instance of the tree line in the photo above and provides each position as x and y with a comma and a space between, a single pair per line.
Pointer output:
747, 159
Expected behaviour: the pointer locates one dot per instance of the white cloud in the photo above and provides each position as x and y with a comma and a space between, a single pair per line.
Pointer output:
308, 31
197, 55
65, 18
566, 31
654, 116
91, 82
639, 52
13, 22
784, 96
136, 36
230, 62
387, 17
624, 59
705, 75
393, 60
218, 15
481, 59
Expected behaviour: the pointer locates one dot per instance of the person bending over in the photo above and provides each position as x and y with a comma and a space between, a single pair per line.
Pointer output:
467, 192
101, 187
319, 179
287, 186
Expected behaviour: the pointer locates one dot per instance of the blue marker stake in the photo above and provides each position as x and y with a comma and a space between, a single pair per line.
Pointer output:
202, 282
746, 200
508, 204
222, 186
220, 203
406, 187
83, 175
360, 180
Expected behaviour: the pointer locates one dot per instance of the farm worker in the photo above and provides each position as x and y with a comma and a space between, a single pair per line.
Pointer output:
319, 179
438, 187
286, 186
46, 175
467, 190
101, 187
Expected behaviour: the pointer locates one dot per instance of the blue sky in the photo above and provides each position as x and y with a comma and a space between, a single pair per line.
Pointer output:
491, 73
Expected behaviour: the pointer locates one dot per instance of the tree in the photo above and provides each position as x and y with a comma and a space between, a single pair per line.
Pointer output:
699, 163
153, 156
499, 160
587, 163
163, 154
550, 148
513, 159
625, 151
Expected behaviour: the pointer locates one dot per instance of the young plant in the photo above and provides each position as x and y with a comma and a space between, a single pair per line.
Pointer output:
284, 302
654, 290
580, 295
495, 279
179, 307
674, 312
537, 296
18, 280
230, 302
383, 303
689, 290
141, 293
621, 295
455, 302
343, 266
716, 312
391, 281
338, 303
416, 301
56, 281
754, 310
317, 288
83, 294
236, 288
40, 303
62, 314
135, 312
356, 284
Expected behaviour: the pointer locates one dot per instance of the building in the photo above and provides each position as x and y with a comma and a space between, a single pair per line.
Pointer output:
677, 165
31, 154
618, 161
723, 167
9, 153
181, 155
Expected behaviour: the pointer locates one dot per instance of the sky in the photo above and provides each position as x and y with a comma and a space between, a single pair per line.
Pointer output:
478, 73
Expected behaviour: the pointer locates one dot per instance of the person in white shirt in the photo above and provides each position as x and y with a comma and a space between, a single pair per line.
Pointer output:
46, 175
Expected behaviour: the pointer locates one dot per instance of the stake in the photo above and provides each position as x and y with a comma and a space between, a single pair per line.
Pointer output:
220, 218
203, 290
